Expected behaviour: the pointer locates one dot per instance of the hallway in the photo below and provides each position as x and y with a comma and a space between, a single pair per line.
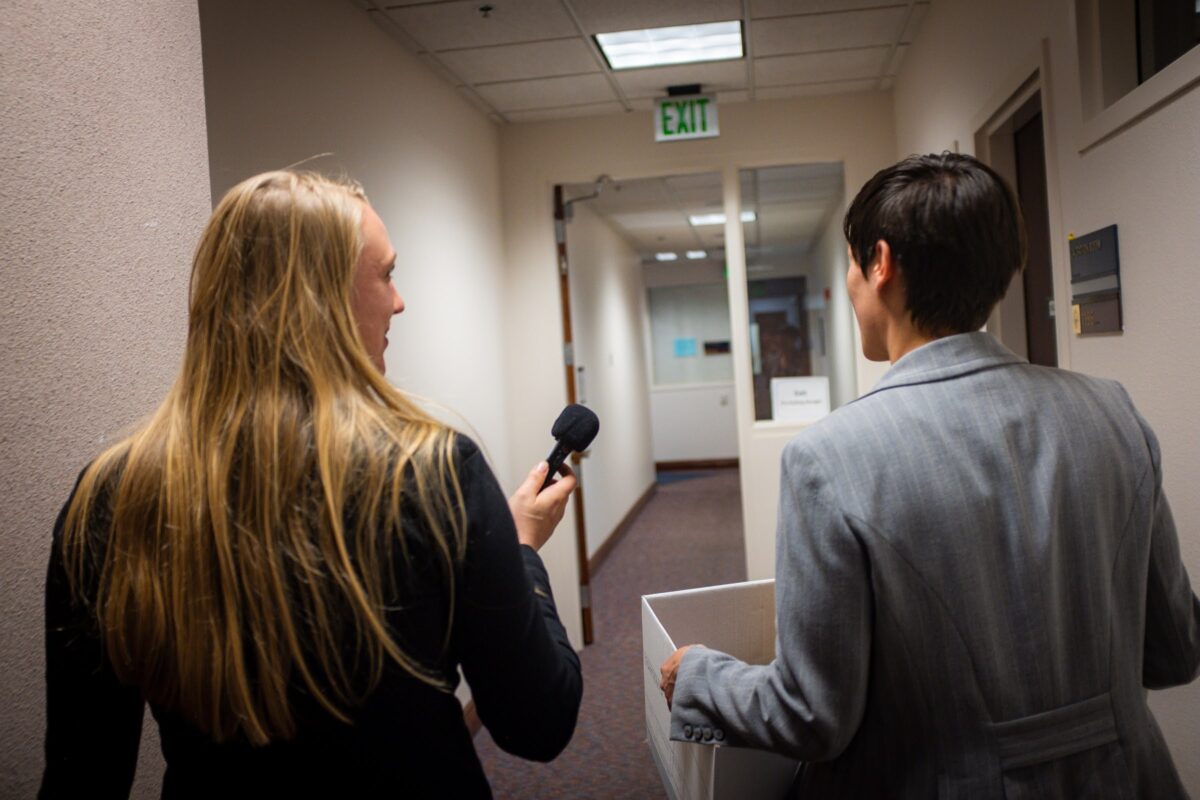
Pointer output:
688, 535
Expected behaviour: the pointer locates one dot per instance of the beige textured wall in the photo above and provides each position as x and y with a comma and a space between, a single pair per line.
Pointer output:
607, 309
1146, 179
103, 192
289, 79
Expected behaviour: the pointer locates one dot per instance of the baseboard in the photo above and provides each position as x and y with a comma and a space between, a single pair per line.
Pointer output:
707, 463
603, 551
471, 718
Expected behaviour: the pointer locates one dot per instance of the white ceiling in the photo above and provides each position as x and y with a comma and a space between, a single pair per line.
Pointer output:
793, 205
536, 59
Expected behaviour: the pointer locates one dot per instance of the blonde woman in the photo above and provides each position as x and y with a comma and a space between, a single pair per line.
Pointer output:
290, 561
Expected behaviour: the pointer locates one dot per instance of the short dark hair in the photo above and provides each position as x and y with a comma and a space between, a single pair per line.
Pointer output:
955, 229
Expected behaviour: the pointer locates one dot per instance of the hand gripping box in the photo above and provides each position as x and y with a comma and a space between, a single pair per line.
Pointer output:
738, 619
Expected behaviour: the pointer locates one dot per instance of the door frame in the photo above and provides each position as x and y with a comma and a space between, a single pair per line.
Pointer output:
568, 338
1031, 77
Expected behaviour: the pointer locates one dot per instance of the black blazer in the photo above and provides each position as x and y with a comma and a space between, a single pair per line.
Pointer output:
407, 740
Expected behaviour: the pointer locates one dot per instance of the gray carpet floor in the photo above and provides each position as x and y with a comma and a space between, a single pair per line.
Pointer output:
688, 535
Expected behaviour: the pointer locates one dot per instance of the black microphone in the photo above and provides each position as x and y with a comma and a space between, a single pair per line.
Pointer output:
574, 429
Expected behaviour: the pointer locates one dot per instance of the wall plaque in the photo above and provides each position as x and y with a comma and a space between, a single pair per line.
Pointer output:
1096, 283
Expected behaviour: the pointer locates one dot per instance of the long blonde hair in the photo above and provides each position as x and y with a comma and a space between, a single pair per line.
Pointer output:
261, 503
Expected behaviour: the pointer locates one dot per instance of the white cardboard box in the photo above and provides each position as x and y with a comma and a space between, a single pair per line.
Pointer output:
738, 619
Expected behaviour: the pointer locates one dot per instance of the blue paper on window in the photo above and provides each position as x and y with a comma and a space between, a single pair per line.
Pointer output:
685, 348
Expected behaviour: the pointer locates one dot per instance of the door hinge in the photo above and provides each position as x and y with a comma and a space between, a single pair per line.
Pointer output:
585, 596
569, 354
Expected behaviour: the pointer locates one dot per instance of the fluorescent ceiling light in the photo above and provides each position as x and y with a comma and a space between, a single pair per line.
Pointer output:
718, 219
696, 254
682, 44
665, 256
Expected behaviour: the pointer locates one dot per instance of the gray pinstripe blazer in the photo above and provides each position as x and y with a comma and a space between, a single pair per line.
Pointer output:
978, 576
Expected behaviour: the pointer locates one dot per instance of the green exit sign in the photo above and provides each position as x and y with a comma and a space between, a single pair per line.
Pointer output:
678, 118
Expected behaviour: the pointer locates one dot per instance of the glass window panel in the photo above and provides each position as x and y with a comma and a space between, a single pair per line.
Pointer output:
801, 324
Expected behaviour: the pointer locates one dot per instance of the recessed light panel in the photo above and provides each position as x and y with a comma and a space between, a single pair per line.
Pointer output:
665, 256
681, 44
718, 219
696, 254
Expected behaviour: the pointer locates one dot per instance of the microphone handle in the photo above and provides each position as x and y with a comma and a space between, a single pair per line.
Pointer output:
555, 460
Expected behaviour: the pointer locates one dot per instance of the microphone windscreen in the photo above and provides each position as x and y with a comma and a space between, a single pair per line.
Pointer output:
576, 427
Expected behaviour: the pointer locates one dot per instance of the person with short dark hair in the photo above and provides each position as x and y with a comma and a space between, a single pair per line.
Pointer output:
977, 572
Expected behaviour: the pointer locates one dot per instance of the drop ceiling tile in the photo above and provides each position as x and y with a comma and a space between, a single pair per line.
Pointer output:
458, 25
547, 93
714, 76
697, 194
657, 220
784, 8
815, 89
816, 32
642, 103
735, 96
588, 110
897, 58
629, 196
675, 236
606, 16
914, 22
814, 67
700, 200
797, 184
694, 180
520, 61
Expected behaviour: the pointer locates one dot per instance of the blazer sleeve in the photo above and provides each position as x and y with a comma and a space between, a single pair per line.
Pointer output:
524, 674
1171, 651
93, 722
808, 702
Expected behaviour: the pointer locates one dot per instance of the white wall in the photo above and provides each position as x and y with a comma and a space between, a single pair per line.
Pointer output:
692, 412
854, 129
607, 306
841, 350
694, 422
290, 79
103, 194
700, 312
683, 273
969, 56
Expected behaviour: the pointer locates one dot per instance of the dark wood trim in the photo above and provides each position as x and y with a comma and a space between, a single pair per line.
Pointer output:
709, 463
604, 550
564, 287
471, 717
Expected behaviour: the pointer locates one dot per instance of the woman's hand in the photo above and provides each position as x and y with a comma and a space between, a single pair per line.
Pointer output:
536, 515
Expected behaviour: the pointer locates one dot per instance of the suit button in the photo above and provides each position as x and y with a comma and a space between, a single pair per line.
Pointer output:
687, 731
719, 735
708, 734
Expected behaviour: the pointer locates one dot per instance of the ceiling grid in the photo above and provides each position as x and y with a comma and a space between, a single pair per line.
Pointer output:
525, 60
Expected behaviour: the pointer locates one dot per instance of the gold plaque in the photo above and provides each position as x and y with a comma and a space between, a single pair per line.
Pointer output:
1076, 321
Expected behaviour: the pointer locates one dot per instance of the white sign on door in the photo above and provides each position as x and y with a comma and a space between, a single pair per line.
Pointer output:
799, 399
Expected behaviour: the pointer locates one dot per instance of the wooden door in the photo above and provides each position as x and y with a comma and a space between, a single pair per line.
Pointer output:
1038, 279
